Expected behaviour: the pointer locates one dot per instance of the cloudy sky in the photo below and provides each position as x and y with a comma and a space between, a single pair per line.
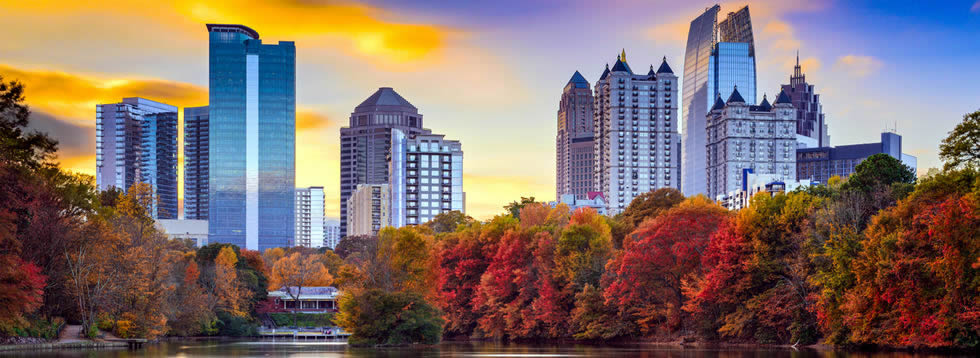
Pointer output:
488, 73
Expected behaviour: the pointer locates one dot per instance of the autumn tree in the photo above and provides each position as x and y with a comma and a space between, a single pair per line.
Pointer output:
356, 245
915, 283
461, 258
21, 290
230, 296
756, 284
962, 146
393, 291
649, 276
643, 207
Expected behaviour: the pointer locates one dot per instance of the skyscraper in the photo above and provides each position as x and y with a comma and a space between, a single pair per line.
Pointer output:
136, 141
741, 137
366, 143
575, 140
811, 127
196, 163
426, 177
252, 139
718, 58
636, 132
309, 217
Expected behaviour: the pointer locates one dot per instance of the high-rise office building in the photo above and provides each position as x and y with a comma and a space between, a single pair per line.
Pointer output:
575, 140
811, 126
309, 217
637, 143
719, 57
369, 208
252, 139
366, 143
136, 142
742, 137
196, 163
426, 177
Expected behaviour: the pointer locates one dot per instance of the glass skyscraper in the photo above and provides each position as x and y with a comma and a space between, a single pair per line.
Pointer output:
252, 139
196, 163
719, 57
136, 142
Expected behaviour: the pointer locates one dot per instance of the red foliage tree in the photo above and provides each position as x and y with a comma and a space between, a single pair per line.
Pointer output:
915, 284
21, 290
660, 256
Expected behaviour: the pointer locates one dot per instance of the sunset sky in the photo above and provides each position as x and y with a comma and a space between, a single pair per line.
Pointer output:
487, 73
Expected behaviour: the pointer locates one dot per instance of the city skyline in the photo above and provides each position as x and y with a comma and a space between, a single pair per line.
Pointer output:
856, 81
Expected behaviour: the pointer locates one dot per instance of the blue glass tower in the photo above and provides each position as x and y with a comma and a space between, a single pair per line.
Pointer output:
252, 138
720, 56
731, 64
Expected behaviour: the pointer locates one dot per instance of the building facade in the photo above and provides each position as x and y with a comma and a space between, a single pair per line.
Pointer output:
365, 144
575, 140
331, 234
719, 56
811, 126
426, 177
252, 139
821, 164
196, 230
752, 184
760, 138
196, 163
593, 200
370, 209
136, 142
637, 143
309, 217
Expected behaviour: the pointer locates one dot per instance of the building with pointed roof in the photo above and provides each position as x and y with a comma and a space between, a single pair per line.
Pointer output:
811, 124
636, 139
760, 138
365, 144
719, 56
575, 139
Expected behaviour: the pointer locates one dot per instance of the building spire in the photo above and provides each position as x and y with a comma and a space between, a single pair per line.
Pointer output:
623, 55
797, 77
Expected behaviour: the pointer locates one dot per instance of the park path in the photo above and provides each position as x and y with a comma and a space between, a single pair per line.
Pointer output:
71, 333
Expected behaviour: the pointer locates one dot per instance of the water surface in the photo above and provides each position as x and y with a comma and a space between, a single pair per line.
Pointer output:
475, 350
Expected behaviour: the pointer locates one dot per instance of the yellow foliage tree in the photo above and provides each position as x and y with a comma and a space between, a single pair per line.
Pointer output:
230, 293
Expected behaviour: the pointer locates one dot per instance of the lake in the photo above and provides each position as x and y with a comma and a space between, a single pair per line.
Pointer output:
489, 350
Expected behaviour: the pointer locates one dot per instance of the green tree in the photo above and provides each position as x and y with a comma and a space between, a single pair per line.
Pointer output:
879, 170
514, 208
448, 221
377, 317
962, 146
17, 146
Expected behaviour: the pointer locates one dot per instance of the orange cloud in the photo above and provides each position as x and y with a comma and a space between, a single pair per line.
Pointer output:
76, 95
858, 66
358, 28
307, 119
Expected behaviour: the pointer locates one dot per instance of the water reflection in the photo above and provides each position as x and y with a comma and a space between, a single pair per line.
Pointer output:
300, 349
